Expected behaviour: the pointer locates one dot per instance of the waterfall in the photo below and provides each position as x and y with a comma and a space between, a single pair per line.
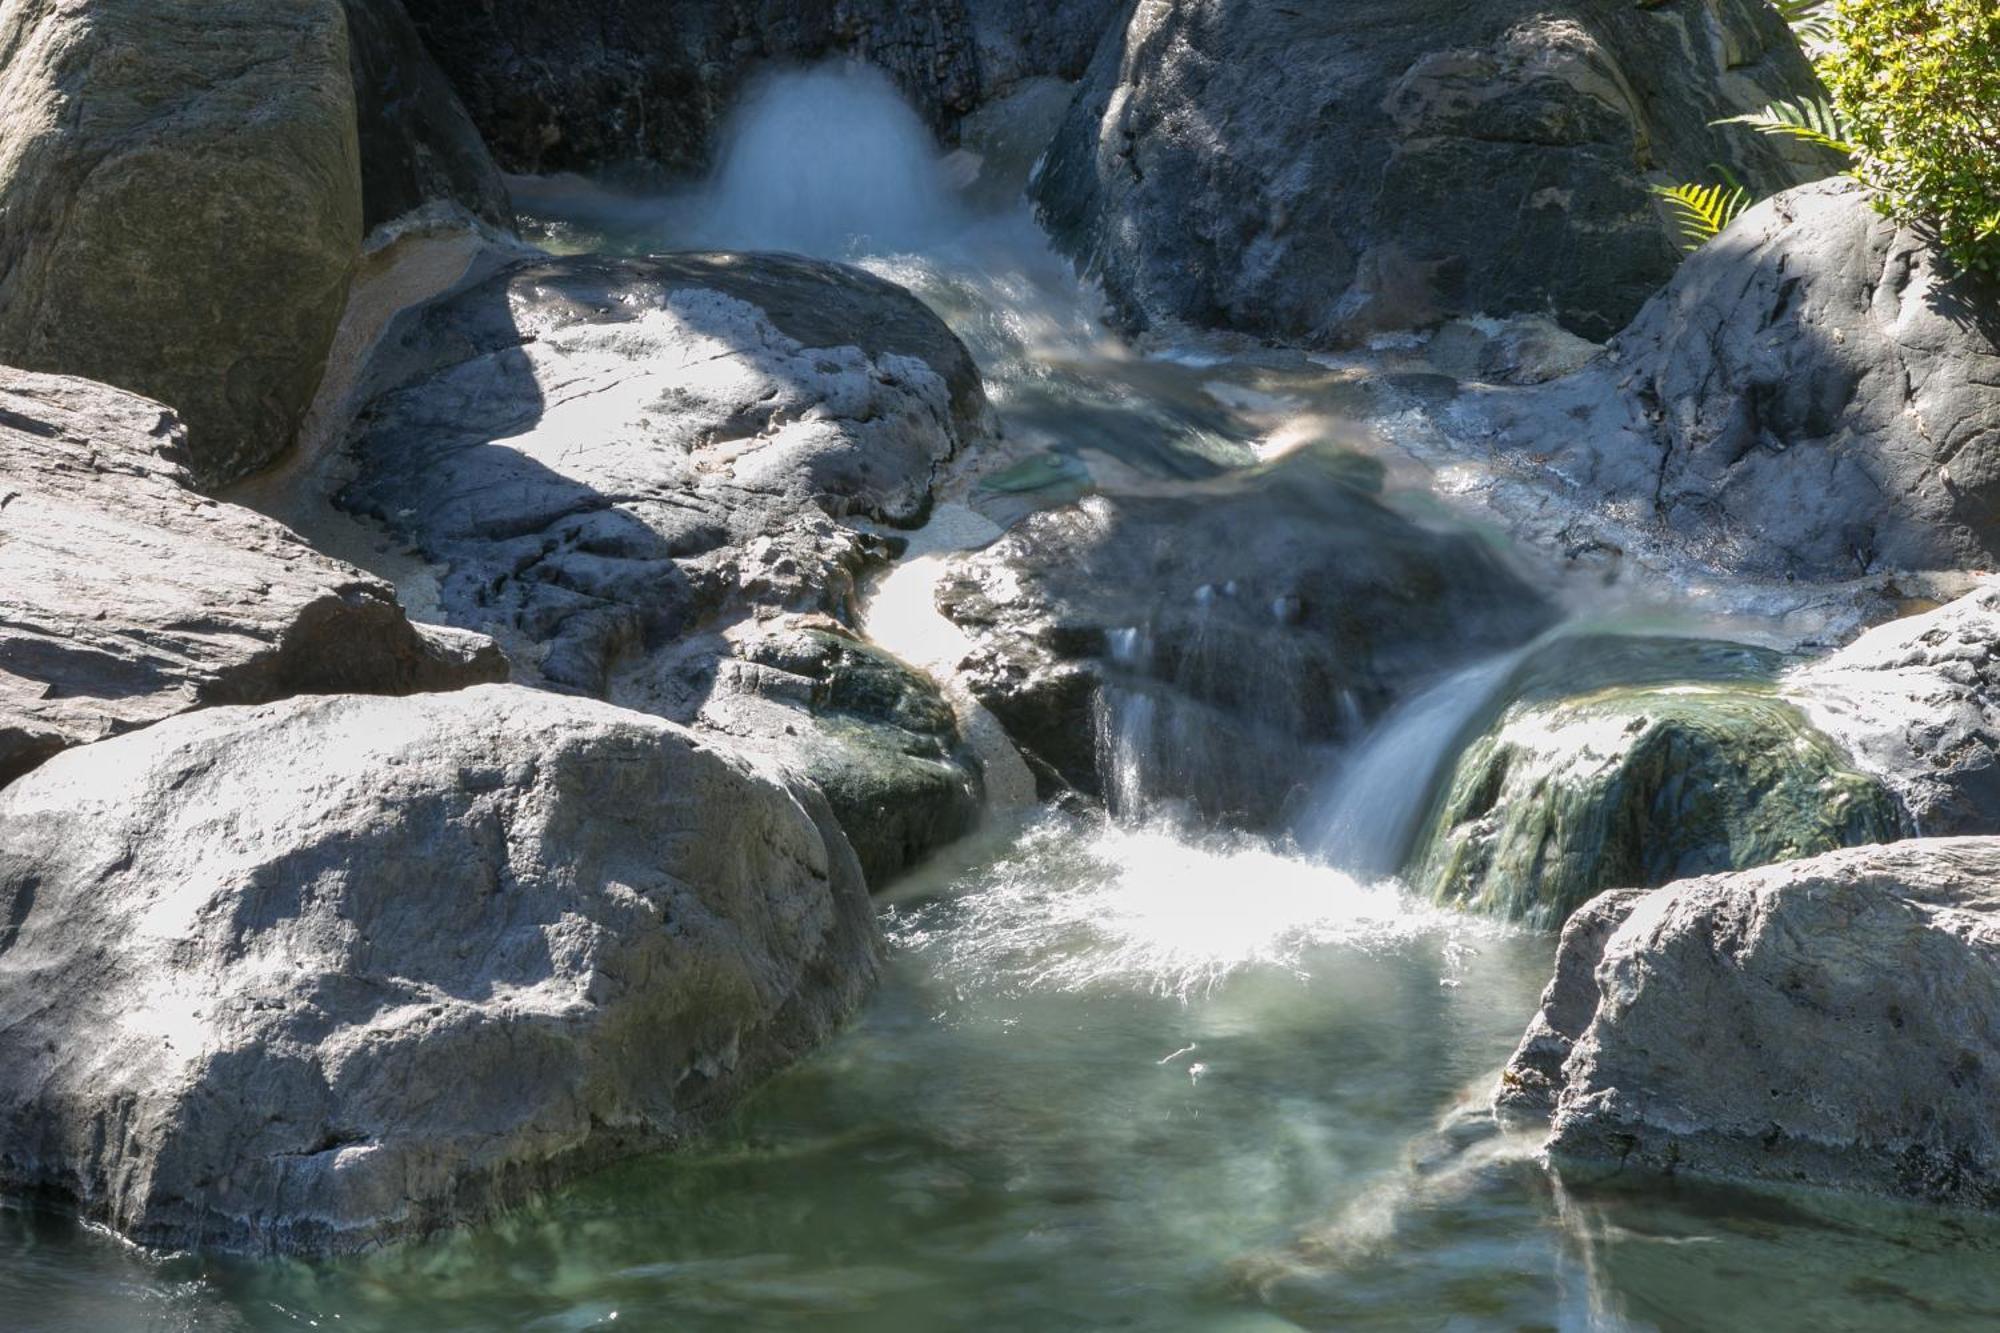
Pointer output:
829, 161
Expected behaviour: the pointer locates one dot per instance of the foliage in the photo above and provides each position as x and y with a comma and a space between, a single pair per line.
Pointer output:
1918, 82
1703, 210
1815, 121
1811, 20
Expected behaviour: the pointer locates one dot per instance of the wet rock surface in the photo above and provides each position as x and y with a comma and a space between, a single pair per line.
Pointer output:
621, 468
127, 597
1225, 627
1825, 1022
180, 206
320, 974
1318, 173
1630, 763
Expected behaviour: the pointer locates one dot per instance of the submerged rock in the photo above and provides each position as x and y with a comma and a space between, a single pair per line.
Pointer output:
325, 973
180, 206
1229, 627
614, 466
1917, 703
1321, 172
126, 597
1826, 1022
1694, 766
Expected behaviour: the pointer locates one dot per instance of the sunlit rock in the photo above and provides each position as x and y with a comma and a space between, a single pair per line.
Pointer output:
320, 974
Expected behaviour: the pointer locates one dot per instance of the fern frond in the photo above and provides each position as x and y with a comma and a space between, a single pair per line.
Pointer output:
1703, 210
1813, 121
1812, 20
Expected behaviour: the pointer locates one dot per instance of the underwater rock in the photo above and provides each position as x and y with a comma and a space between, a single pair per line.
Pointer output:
1318, 173
1824, 1022
1578, 787
126, 597
612, 462
1229, 627
1917, 703
180, 206
315, 975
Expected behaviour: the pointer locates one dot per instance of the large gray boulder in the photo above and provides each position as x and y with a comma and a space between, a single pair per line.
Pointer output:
1917, 703
180, 206
1211, 639
630, 472
1813, 397
127, 597
320, 974
1319, 172
418, 145
1828, 1022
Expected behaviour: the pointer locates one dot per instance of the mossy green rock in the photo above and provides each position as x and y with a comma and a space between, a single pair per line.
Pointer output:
180, 206
1637, 784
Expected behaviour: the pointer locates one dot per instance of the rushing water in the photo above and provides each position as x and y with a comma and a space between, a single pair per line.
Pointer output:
1118, 1075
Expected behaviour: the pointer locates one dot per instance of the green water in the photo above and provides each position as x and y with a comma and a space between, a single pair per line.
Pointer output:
1113, 1080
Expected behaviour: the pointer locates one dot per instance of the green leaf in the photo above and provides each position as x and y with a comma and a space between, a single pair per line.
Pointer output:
1813, 121
1703, 210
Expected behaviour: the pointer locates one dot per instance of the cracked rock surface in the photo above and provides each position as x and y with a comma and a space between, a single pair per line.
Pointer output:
317, 974
127, 597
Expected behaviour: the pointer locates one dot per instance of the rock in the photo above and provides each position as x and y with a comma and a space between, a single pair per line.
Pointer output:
320, 974
1917, 703
1596, 777
621, 468
1826, 402
1319, 173
126, 597
418, 145
180, 206
1232, 627
1827, 1022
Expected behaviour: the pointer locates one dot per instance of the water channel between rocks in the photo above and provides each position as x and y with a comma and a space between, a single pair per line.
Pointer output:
1124, 1072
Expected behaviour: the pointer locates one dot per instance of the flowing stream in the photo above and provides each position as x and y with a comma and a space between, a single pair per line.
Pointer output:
1122, 1072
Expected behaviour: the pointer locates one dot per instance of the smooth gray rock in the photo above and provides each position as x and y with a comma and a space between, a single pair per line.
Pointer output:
127, 597
621, 469
1810, 398
1917, 703
180, 206
1317, 173
320, 974
1827, 1022
1217, 634
418, 145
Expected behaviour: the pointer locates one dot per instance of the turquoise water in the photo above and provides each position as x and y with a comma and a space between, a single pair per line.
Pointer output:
1114, 1079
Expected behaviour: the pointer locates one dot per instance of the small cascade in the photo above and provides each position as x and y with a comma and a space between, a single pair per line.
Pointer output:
1366, 817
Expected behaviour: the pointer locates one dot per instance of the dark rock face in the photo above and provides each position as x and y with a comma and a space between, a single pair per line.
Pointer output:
1825, 1022
320, 974
180, 207
417, 143
1229, 627
595, 82
1319, 172
126, 597
632, 472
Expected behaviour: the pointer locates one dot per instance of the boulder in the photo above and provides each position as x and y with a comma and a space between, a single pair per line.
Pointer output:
127, 597
180, 206
1595, 777
1827, 1022
1917, 703
1208, 638
1813, 397
418, 145
620, 469
1317, 173
320, 974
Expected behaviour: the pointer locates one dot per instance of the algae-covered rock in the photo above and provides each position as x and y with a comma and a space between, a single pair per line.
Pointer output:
1596, 777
